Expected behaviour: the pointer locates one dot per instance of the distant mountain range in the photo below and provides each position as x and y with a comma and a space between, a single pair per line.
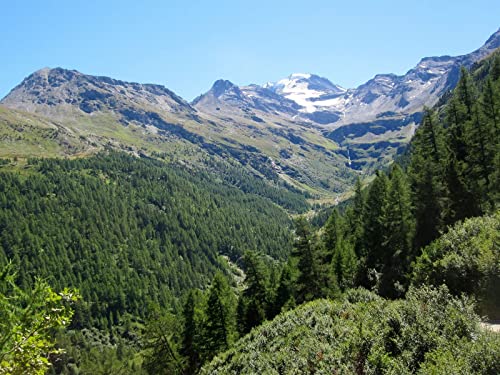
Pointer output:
372, 120
312, 133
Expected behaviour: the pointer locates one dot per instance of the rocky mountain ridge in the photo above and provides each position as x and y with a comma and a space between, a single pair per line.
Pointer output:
305, 129
385, 95
371, 122
147, 119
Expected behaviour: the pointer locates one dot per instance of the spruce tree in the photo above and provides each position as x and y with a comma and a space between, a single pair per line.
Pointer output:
286, 291
190, 340
333, 232
345, 265
374, 226
340, 252
309, 283
355, 219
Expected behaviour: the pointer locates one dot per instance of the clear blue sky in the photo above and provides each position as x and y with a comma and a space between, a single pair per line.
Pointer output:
186, 45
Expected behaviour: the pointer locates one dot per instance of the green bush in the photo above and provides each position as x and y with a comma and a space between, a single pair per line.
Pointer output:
467, 260
371, 336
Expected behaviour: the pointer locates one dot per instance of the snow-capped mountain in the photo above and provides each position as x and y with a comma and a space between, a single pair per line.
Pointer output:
374, 120
310, 91
384, 96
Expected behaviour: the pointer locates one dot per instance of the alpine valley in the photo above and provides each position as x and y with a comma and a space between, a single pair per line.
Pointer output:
285, 228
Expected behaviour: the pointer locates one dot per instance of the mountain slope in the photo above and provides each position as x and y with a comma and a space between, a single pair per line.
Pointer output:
147, 119
128, 231
28, 135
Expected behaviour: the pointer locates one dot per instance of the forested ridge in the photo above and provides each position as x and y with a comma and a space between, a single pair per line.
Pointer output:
142, 241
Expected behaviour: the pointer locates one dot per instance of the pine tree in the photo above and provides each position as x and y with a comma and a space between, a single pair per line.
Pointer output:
426, 172
253, 303
309, 283
398, 233
190, 341
333, 232
286, 291
340, 251
345, 265
480, 153
355, 218
220, 325
374, 225
462, 121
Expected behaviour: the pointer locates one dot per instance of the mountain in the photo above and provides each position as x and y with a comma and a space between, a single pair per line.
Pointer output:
371, 122
304, 130
250, 126
385, 95
47, 90
106, 112
231, 97
311, 92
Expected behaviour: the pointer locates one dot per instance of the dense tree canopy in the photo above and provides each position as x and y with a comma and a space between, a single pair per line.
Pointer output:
128, 231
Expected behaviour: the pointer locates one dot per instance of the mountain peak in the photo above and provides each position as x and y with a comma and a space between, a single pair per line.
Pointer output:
309, 91
300, 75
47, 89
221, 86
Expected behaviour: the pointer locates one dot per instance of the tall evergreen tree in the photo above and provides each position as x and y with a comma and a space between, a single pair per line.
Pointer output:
309, 283
454, 161
286, 291
345, 265
340, 249
253, 304
190, 341
426, 173
355, 219
398, 233
333, 232
220, 325
480, 153
374, 225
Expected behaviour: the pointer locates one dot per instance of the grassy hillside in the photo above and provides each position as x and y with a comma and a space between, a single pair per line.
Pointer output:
24, 135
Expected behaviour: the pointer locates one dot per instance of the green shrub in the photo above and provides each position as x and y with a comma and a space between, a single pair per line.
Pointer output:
363, 333
467, 260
